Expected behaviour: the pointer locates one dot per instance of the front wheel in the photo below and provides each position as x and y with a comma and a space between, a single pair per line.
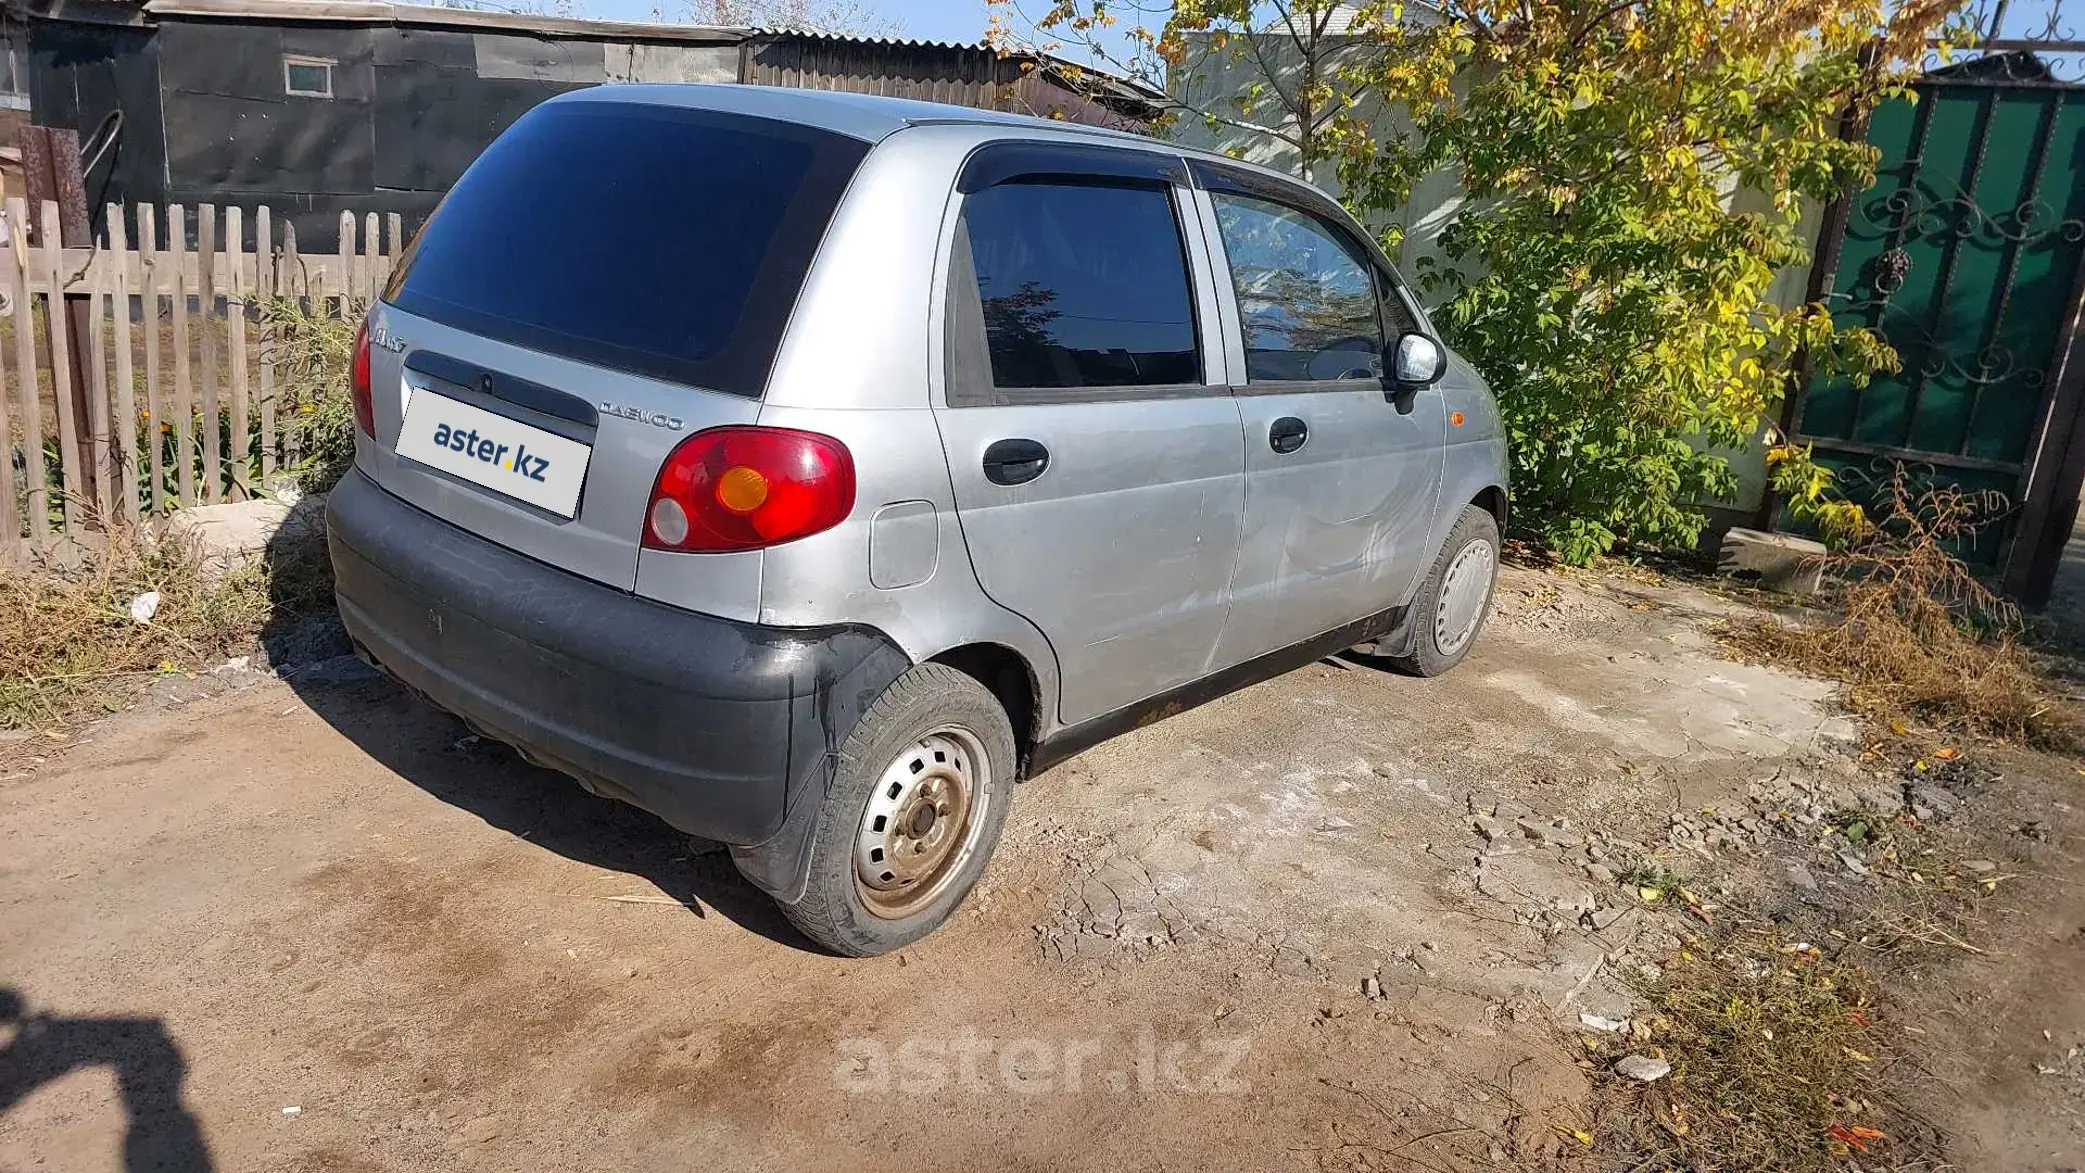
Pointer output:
915, 807
1451, 604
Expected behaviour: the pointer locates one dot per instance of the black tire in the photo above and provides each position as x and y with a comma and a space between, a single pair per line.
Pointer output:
1428, 657
914, 716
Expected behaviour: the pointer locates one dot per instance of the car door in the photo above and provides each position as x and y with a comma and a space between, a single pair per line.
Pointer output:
1096, 466
1339, 481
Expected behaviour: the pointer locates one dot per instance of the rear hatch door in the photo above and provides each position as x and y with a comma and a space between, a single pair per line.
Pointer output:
608, 278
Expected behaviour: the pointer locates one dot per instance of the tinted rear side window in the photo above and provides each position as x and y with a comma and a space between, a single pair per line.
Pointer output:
652, 239
1082, 285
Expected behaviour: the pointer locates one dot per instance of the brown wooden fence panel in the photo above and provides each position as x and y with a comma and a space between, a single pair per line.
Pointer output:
195, 318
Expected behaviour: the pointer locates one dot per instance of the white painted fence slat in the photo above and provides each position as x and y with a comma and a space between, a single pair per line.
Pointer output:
10, 512
125, 417
36, 494
343, 282
264, 289
207, 354
73, 478
99, 427
241, 455
155, 406
184, 379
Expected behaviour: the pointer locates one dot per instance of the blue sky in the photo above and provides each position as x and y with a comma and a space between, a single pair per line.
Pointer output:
927, 20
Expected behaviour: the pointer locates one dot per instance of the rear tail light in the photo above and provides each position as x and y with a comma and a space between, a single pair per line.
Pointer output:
358, 383
742, 488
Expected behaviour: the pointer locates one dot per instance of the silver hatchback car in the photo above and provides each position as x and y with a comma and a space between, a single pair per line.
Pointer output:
806, 468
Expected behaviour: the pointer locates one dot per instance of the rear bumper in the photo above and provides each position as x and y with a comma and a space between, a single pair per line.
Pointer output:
723, 729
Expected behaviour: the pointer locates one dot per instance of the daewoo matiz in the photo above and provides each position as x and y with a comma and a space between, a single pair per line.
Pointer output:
806, 468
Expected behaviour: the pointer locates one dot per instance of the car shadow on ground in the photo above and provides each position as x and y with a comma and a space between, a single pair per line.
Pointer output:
41, 1049
1364, 656
432, 750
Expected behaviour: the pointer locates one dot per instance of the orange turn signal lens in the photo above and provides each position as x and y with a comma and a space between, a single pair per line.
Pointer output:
1455, 418
742, 489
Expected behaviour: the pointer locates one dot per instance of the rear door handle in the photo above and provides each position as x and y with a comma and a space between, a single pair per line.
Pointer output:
1015, 462
1287, 434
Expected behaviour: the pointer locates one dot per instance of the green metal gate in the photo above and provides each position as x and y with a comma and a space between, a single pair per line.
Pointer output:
1966, 255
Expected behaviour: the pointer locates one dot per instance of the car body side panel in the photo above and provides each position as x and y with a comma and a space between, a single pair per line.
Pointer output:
1336, 529
899, 463
858, 338
1122, 551
1474, 454
857, 362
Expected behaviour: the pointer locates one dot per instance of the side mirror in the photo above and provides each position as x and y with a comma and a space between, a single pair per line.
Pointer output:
1415, 361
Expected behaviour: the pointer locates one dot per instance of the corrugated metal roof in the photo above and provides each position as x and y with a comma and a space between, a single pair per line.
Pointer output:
1129, 86
378, 12
780, 30
424, 15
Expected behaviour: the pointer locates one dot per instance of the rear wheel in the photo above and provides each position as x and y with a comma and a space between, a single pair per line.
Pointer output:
1450, 607
915, 807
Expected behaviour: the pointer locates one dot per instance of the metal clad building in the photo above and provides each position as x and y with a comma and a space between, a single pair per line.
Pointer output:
315, 107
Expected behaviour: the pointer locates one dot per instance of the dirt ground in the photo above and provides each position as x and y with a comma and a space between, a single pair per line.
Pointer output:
1342, 920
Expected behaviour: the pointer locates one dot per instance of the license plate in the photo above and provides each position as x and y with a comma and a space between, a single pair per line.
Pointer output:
507, 456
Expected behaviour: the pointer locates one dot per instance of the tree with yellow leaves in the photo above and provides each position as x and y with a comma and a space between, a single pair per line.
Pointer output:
1634, 176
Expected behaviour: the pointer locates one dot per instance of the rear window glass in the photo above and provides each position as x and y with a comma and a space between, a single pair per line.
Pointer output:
1082, 285
662, 241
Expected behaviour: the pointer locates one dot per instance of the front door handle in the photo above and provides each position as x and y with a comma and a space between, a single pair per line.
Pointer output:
1287, 434
1015, 462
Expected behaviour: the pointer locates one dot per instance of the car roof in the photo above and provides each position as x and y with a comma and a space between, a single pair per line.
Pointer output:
873, 118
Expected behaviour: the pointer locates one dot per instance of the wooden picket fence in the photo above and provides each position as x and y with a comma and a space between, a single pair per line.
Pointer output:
174, 351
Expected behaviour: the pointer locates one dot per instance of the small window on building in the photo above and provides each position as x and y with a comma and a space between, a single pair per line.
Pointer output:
307, 77
14, 85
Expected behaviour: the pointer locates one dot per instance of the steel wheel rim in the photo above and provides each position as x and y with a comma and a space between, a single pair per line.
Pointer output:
922, 822
1463, 590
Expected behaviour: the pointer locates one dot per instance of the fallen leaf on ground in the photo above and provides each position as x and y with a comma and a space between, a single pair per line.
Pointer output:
1854, 1135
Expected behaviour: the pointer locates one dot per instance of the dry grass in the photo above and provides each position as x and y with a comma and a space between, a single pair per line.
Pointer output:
67, 641
1779, 1061
68, 644
1919, 634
